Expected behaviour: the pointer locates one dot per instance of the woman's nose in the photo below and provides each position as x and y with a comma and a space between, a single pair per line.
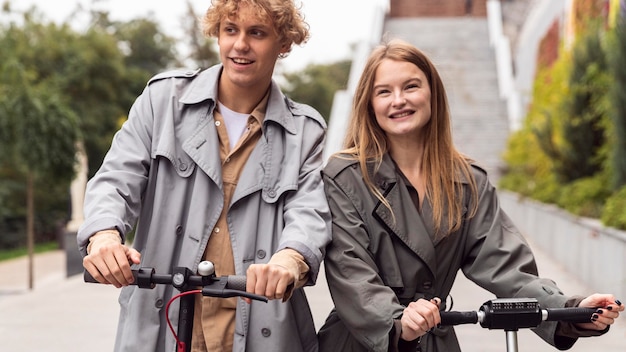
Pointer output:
399, 99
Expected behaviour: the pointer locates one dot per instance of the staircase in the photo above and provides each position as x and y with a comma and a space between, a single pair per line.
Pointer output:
459, 48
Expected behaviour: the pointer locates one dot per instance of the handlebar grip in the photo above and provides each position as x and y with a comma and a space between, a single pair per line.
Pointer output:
236, 282
571, 315
457, 318
88, 278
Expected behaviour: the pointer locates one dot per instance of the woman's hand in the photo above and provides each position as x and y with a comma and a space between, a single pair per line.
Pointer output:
419, 317
608, 311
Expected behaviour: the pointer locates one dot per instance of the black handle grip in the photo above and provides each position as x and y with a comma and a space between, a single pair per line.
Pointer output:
236, 282
571, 315
88, 278
457, 318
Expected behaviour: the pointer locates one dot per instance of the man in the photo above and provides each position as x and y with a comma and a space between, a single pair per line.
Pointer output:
217, 165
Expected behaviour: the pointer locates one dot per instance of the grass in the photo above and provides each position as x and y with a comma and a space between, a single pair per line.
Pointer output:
19, 252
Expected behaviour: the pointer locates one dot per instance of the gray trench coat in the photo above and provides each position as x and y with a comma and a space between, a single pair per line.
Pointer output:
375, 266
164, 171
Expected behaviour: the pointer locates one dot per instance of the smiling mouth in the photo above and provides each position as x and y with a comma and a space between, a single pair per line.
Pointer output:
242, 61
401, 114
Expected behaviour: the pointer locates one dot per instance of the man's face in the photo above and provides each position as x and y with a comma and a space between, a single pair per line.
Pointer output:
249, 48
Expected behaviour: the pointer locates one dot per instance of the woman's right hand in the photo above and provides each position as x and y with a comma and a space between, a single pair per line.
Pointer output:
108, 260
420, 317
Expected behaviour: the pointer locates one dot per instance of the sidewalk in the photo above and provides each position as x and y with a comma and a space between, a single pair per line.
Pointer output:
64, 314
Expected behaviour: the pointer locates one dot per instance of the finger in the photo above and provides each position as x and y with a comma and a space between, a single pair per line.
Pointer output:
437, 301
280, 278
250, 279
93, 270
425, 311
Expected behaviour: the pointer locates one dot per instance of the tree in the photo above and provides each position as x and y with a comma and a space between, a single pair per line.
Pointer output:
586, 111
38, 134
618, 101
202, 51
317, 84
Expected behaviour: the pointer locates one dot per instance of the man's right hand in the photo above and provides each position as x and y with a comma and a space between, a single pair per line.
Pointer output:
108, 260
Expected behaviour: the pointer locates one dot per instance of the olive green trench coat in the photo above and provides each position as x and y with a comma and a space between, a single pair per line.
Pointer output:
375, 266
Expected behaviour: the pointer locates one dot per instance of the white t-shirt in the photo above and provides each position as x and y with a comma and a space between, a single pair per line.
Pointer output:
236, 124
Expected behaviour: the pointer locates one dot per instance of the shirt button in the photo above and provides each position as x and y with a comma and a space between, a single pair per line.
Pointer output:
216, 230
261, 254
179, 230
158, 303
217, 123
266, 332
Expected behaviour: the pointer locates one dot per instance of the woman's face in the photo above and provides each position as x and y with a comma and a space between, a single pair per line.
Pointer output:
401, 99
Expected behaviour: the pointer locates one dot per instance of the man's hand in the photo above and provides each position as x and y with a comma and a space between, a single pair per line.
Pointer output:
269, 280
277, 279
108, 260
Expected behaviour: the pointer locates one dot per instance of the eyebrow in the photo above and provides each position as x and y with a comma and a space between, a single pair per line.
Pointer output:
416, 79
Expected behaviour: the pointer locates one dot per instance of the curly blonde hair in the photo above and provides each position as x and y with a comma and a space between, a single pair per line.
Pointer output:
287, 18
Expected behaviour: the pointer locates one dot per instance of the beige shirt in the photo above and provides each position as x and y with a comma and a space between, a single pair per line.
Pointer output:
214, 318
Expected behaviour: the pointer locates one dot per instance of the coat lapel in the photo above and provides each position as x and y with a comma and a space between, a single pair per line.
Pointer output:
407, 225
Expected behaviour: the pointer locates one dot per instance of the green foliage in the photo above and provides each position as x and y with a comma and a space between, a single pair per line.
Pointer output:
585, 111
614, 212
20, 252
531, 151
571, 148
59, 86
202, 52
618, 102
317, 84
585, 196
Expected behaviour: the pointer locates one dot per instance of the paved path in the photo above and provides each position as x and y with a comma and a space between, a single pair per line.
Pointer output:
64, 314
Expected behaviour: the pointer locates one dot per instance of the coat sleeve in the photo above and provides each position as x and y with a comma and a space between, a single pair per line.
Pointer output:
363, 302
306, 213
500, 260
114, 194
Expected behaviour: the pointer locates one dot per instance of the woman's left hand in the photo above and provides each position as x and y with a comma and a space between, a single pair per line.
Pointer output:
608, 311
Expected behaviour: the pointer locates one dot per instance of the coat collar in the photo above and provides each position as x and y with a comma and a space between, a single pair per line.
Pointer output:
205, 87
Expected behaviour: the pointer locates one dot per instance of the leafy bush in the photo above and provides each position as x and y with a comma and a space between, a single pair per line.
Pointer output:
614, 212
585, 196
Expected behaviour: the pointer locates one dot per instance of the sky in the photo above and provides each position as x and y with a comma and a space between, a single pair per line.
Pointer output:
335, 24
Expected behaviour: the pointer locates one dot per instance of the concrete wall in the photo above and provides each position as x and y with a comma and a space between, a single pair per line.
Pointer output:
593, 253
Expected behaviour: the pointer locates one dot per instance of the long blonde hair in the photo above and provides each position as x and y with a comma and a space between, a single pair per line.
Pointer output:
443, 166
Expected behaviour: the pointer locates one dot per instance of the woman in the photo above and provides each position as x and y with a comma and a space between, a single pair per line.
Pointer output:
409, 211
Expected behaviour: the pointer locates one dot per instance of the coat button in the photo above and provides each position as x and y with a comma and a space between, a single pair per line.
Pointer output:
182, 167
266, 332
271, 193
179, 230
261, 254
158, 303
